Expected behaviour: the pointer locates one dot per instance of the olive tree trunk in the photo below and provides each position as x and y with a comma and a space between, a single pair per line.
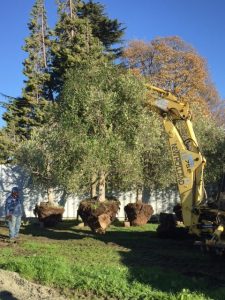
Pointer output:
139, 194
101, 191
94, 181
51, 196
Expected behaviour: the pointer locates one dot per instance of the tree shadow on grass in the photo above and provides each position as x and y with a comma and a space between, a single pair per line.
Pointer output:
168, 265
57, 233
164, 264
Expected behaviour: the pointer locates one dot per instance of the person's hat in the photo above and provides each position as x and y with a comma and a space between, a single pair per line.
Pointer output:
15, 189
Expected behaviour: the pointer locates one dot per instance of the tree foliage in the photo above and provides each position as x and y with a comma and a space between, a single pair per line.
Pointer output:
211, 139
52, 53
102, 135
108, 31
7, 147
29, 111
173, 65
102, 105
73, 43
37, 156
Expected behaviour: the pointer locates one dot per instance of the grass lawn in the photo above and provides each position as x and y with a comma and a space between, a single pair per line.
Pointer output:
125, 263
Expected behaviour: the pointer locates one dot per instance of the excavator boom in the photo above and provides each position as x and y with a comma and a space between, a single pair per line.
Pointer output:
188, 161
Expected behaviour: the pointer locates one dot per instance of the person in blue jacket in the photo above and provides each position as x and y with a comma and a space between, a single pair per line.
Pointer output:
13, 212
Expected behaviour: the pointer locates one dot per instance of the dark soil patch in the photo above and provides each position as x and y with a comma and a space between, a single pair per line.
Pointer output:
98, 215
138, 213
48, 214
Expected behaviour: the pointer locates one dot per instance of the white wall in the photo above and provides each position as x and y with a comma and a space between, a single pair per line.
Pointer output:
161, 201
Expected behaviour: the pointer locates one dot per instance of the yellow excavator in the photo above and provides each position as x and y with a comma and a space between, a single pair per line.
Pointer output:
197, 215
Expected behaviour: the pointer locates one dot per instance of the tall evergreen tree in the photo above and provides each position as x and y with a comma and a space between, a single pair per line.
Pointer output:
30, 110
109, 31
73, 43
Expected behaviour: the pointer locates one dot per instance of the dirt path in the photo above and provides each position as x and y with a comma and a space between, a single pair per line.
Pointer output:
13, 287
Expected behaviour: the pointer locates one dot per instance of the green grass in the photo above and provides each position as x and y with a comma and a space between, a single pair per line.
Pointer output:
125, 263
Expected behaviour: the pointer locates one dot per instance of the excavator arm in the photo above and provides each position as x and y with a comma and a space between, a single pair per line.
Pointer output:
188, 161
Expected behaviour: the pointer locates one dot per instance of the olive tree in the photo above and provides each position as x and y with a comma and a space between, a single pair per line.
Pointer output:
37, 158
109, 135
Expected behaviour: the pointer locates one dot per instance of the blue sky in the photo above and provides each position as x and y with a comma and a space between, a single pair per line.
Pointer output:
201, 23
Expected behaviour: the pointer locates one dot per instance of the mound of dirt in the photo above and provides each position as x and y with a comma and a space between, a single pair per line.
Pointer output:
138, 213
98, 215
12, 286
48, 214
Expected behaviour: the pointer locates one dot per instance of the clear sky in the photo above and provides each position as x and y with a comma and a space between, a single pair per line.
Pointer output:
201, 23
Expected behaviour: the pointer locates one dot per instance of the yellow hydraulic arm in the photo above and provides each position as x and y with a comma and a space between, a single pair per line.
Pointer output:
187, 158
